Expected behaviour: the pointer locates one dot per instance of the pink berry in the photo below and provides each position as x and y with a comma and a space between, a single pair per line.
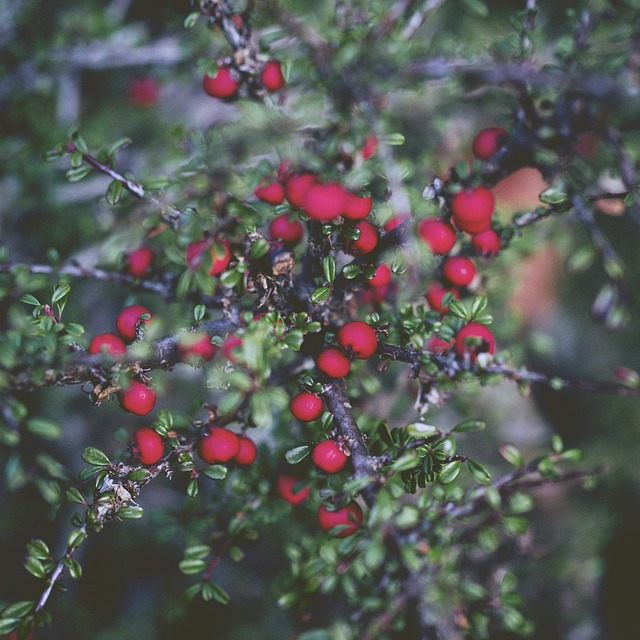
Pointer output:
306, 406
285, 490
369, 147
138, 398
248, 451
218, 445
486, 243
195, 347
472, 209
328, 457
139, 261
143, 92
350, 517
271, 192
325, 200
488, 141
147, 445
357, 207
272, 77
333, 363
108, 343
359, 338
285, 230
381, 277
297, 186
439, 235
129, 319
486, 341
459, 271
368, 239
435, 294
224, 84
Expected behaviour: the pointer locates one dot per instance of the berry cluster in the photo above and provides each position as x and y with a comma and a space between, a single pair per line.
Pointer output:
225, 82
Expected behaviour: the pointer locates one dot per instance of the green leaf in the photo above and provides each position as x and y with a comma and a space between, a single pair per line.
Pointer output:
61, 290
75, 570
192, 488
35, 567
18, 609
215, 472
259, 248
118, 146
38, 549
212, 591
479, 471
553, 197
75, 175
351, 233
556, 443
199, 312
405, 462
89, 471
131, 513
191, 19
27, 298
154, 183
9, 623
329, 269
76, 538
95, 457
298, 454
44, 428
393, 139
320, 295
456, 308
114, 192
197, 552
449, 471
294, 339
139, 475
470, 425
350, 271
191, 566
511, 454
478, 306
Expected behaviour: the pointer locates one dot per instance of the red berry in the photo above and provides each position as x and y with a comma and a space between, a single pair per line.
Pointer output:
359, 338
139, 261
325, 201
396, 220
472, 209
381, 277
287, 231
436, 344
369, 147
435, 294
488, 141
376, 295
486, 243
306, 406
297, 186
350, 516
138, 398
272, 192
439, 235
108, 343
486, 343
328, 457
129, 318
459, 270
285, 490
357, 207
218, 445
368, 238
272, 77
229, 346
220, 255
333, 362
147, 445
195, 347
143, 92
248, 451
224, 84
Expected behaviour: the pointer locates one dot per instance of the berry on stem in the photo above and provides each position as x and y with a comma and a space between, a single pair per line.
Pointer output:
285, 489
475, 338
333, 363
325, 200
350, 517
272, 77
218, 445
137, 398
368, 238
459, 271
486, 243
435, 294
369, 147
224, 84
358, 338
488, 141
328, 457
472, 209
195, 347
357, 207
108, 343
285, 230
381, 277
272, 192
439, 235
128, 321
220, 255
139, 261
306, 406
248, 451
297, 186
147, 445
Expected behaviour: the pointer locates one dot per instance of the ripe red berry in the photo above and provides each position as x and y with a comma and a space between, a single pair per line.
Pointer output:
325, 200
357, 207
395, 220
147, 445
272, 77
439, 235
218, 445
488, 141
195, 347
297, 186
459, 270
381, 277
486, 243
220, 255
435, 344
139, 261
328, 457
287, 231
229, 346
333, 362
285, 490
129, 318
248, 451
306, 406
143, 92
358, 338
108, 343
485, 342
138, 398
369, 147
472, 209
350, 517
272, 192
435, 294
376, 295
368, 238
224, 84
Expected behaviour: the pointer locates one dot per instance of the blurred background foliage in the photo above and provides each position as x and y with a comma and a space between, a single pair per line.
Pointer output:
63, 64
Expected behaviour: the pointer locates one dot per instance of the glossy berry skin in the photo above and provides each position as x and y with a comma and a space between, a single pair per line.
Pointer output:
285, 490
147, 445
475, 330
218, 445
325, 201
459, 271
224, 84
196, 347
248, 451
128, 318
333, 363
220, 255
435, 294
351, 516
273, 193
306, 406
287, 231
272, 77
486, 243
488, 141
381, 277
139, 261
369, 147
230, 343
367, 241
297, 186
138, 398
357, 207
328, 457
108, 343
438, 235
472, 209
358, 338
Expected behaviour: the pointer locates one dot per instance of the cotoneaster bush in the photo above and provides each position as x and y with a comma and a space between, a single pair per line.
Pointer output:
299, 281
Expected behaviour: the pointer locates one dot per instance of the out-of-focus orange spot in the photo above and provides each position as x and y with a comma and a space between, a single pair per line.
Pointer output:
611, 206
519, 191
